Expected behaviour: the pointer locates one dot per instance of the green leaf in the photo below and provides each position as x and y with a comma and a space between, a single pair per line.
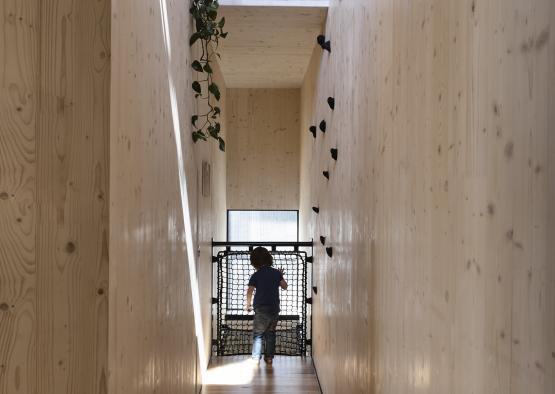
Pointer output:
198, 135
208, 69
212, 14
194, 38
194, 119
217, 127
197, 66
213, 88
223, 35
196, 87
221, 143
199, 24
213, 132
217, 110
222, 22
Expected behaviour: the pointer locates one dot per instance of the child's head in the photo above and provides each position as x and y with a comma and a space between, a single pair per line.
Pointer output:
260, 257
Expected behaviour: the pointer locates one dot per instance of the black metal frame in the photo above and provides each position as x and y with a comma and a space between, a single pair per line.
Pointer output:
304, 333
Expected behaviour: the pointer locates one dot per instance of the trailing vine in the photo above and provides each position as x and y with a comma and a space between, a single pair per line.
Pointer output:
208, 31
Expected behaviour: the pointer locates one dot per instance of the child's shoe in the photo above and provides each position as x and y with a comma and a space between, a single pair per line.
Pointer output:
268, 360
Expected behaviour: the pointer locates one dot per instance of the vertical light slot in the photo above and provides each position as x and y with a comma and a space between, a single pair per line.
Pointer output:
184, 195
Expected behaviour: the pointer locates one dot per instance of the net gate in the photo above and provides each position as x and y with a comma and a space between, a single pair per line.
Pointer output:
233, 328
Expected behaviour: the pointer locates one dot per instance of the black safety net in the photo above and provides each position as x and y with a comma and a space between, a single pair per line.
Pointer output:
234, 323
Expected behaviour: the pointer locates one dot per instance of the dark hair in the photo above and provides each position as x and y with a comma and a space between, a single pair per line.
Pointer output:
260, 257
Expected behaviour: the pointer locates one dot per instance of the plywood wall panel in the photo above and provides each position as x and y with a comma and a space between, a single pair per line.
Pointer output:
18, 106
263, 148
72, 194
152, 336
440, 205
54, 170
211, 214
153, 340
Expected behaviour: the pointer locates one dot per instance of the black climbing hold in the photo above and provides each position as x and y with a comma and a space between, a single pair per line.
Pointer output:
326, 174
313, 131
333, 152
329, 251
323, 126
315, 289
316, 209
326, 45
322, 239
331, 102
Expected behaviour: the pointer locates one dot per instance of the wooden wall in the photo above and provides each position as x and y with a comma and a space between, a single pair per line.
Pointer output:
153, 341
54, 114
440, 208
211, 214
263, 148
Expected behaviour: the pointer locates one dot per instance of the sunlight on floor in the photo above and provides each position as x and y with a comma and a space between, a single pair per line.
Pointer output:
237, 373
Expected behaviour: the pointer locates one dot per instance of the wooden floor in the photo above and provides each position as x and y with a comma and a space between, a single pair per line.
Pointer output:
236, 374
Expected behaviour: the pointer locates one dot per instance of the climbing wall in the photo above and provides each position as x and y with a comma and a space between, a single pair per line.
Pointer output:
440, 208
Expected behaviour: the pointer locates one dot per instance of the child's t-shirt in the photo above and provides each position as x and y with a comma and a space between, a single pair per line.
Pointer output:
266, 281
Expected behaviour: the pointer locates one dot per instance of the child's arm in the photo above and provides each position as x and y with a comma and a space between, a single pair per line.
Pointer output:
282, 282
249, 298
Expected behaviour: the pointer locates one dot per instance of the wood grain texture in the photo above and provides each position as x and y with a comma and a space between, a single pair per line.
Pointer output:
263, 148
268, 47
72, 197
18, 108
211, 214
152, 340
54, 167
440, 207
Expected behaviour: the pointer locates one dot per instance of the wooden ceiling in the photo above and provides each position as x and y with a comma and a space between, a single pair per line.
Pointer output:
269, 46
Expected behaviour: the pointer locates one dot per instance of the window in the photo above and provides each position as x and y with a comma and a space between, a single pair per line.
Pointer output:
262, 226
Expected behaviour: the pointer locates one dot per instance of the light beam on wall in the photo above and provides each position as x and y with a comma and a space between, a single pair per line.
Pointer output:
195, 295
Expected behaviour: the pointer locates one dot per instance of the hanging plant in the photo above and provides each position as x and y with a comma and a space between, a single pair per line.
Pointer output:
208, 31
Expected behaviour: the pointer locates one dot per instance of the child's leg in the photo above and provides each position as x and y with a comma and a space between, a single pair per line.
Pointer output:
260, 325
270, 336
257, 346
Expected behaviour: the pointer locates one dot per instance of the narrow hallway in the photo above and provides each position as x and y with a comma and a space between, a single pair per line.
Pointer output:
395, 158
237, 375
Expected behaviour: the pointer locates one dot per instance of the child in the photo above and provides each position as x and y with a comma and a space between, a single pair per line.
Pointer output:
266, 280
